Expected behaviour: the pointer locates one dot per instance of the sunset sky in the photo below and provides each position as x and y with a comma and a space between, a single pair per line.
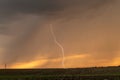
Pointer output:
88, 30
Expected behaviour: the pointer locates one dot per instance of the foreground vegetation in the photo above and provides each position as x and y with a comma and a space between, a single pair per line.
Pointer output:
94, 73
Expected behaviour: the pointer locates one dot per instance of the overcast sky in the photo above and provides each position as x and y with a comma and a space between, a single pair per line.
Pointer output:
88, 30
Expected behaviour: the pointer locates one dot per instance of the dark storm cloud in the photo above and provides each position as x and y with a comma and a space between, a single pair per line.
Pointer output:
9, 8
27, 21
29, 6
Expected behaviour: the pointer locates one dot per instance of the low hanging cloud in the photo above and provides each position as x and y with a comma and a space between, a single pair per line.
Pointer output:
81, 26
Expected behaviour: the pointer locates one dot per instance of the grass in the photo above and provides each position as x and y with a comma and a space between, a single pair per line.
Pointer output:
50, 74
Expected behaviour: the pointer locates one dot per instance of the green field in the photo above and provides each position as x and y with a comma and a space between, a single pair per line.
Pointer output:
94, 73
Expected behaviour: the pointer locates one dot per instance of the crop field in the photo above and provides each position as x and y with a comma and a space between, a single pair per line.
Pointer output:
95, 73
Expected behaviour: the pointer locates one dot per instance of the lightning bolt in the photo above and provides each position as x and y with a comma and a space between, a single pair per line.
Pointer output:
59, 45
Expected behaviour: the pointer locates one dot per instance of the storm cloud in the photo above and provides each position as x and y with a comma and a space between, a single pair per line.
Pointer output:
81, 26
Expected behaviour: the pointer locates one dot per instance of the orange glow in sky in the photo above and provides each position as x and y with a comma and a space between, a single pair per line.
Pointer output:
31, 64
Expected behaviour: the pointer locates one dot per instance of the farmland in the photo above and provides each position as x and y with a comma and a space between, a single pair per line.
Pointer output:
94, 73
